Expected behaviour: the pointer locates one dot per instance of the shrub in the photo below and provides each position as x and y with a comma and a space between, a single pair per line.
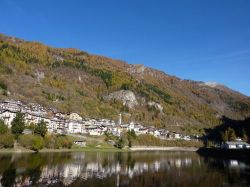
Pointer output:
3, 128
6, 140
119, 143
50, 142
37, 143
25, 140
57, 142
63, 142
3, 85
33, 142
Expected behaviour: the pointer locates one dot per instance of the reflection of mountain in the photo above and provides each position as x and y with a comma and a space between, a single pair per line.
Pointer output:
128, 169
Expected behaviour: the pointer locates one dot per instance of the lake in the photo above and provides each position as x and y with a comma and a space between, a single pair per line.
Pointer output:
121, 169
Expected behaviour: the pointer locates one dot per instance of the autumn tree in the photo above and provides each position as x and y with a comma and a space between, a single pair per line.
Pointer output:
228, 135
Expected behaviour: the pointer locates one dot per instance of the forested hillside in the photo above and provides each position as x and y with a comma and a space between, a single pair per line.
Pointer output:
71, 80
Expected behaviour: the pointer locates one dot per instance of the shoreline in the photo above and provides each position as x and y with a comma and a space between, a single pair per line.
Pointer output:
89, 149
158, 148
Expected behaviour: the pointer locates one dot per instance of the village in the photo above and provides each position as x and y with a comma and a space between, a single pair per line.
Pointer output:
73, 123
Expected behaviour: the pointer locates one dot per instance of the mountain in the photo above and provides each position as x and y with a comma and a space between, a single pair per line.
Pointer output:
71, 80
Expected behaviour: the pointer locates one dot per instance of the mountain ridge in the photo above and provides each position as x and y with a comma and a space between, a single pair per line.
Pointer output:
72, 80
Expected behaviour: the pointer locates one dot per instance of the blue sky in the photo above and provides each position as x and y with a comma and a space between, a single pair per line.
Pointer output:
206, 40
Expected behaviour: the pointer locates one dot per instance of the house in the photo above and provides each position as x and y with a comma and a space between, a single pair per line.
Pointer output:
27, 131
75, 127
157, 133
11, 105
142, 131
80, 143
131, 126
177, 135
94, 130
116, 131
187, 138
75, 116
235, 145
7, 116
32, 118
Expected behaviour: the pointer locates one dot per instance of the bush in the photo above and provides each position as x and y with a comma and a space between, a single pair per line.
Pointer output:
38, 143
119, 143
6, 140
33, 142
63, 142
3, 85
3, 128
57, 142
50, 142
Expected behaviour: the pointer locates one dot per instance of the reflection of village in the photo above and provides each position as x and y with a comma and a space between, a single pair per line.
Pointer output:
82, 167
79, 168
73, 123
96, 170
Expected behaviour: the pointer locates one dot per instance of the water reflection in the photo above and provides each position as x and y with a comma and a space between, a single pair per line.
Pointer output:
121, 169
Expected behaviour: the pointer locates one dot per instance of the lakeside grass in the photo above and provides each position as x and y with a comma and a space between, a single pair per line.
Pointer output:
74, 149
100, 149
98, 144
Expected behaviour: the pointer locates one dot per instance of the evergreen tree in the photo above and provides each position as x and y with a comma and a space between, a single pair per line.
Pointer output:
41, 128
18, 124
120, 143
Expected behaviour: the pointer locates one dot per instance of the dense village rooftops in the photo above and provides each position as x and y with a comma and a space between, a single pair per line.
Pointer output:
73, 123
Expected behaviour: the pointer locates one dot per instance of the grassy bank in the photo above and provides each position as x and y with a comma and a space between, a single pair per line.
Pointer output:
149, 140
83, 149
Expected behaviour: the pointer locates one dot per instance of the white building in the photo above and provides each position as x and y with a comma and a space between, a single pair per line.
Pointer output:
75, 127
7, 116
75, 116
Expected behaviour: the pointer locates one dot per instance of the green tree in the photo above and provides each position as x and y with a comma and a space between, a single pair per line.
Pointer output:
129, 143
120, 143
132, 133
18, 124
3, 128
41, 128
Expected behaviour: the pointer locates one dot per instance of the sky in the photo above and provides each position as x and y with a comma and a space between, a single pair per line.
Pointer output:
203, 40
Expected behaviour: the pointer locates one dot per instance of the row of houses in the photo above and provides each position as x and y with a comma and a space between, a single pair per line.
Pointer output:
73, 123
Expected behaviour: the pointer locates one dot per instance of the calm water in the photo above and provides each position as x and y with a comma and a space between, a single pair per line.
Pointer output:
121, 169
